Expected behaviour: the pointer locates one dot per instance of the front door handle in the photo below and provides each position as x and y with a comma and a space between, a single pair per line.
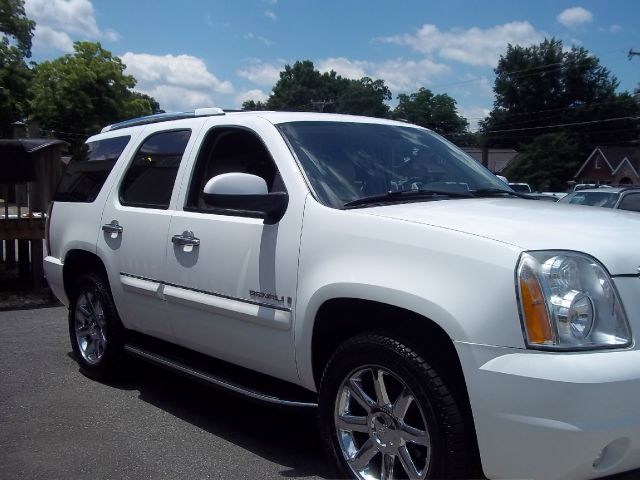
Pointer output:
186, 240
113, 228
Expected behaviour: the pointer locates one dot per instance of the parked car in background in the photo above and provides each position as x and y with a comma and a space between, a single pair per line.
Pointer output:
556, 195
585, 186
543, 196
623, 198
520, 187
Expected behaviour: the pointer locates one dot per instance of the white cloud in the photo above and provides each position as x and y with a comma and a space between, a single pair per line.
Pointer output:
58, 21
256, 95
615, 28
47, 39
174, 98
474, 114
575, 16
178, 82
354, 69
474, 46
400, 75
259, 38
262, 73
271, 15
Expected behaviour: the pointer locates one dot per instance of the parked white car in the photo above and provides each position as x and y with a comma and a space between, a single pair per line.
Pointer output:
366, 267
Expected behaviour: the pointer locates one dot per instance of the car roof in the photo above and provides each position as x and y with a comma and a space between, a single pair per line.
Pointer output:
173, 118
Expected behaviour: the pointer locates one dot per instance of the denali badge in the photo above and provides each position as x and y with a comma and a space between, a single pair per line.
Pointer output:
266, 296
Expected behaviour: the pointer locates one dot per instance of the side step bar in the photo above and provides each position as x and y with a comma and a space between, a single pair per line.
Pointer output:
213, 380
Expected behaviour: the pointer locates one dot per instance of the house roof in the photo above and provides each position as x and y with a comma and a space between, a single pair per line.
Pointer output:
498, 159
614, 157
16, 157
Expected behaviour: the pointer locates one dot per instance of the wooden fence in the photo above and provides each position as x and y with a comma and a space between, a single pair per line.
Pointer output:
23, 207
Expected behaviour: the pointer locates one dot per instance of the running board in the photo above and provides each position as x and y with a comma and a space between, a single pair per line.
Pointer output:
213, 380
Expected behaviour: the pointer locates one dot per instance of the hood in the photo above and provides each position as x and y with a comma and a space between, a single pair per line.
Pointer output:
611, 236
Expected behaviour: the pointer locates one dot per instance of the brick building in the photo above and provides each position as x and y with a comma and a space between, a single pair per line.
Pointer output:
611, 166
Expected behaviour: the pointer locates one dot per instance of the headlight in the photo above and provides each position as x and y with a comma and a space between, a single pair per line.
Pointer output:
568, 301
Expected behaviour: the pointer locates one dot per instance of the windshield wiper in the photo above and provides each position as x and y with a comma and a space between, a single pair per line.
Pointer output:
490, 192
400, 195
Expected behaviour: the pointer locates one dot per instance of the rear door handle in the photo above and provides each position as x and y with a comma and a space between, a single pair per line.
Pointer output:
113, 228
186, 240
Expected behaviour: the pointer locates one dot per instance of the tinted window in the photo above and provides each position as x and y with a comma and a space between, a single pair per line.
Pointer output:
152, 173
227, 150
88, 170
631, 202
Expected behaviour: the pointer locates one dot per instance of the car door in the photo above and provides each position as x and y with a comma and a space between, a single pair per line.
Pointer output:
135, 223
230, 291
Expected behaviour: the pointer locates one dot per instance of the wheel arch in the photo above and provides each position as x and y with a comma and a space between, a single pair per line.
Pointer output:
338, 319
78, 261
341, 318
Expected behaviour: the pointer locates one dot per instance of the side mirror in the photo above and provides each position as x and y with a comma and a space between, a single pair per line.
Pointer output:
245, 194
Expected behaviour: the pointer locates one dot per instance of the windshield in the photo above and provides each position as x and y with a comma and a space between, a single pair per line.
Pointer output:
594, 199
346, 161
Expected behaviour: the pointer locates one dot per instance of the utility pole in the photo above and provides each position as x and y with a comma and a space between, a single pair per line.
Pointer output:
319, 106
631, 54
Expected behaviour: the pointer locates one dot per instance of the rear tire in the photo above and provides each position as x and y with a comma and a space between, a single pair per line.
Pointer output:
95, 330
386, 413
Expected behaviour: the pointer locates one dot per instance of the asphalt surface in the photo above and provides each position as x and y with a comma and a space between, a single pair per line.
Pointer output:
151, 424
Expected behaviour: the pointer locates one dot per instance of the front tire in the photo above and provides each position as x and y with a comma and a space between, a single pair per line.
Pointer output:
95, 330
386, 413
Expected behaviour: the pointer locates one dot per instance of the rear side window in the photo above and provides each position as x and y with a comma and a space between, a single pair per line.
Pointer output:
149, 180
88, 170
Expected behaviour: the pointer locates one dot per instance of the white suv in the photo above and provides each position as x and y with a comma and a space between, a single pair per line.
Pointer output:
366, 267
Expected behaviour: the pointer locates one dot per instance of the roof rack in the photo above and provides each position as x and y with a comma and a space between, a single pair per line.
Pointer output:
163, 117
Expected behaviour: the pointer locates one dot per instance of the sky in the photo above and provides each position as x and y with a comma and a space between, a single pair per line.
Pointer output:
197, 53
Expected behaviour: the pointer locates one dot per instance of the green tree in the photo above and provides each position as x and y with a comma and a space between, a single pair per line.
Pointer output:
544, 85
547, 163
303, 88
16, 32
77, 94
437, 112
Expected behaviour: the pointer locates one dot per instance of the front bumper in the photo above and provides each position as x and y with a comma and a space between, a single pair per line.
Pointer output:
554, 415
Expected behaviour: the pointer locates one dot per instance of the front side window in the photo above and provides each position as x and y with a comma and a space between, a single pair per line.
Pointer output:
88, 170
149, 180
347, 161
227, 150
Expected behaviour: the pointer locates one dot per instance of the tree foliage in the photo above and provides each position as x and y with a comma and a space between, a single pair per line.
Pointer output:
437, 112
16, 32
302, 87
17, 29
82, 92
547, 163
544, 85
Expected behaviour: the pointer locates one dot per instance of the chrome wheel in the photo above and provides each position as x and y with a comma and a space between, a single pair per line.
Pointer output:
380, 426
90, 326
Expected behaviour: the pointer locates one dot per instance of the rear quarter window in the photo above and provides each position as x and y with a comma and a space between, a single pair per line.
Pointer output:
88, 170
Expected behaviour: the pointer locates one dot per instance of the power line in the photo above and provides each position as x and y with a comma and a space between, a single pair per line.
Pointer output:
606, 120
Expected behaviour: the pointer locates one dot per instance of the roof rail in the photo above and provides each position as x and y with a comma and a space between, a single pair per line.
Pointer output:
163, 117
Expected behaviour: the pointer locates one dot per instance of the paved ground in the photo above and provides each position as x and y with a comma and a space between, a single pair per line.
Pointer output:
55, 423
